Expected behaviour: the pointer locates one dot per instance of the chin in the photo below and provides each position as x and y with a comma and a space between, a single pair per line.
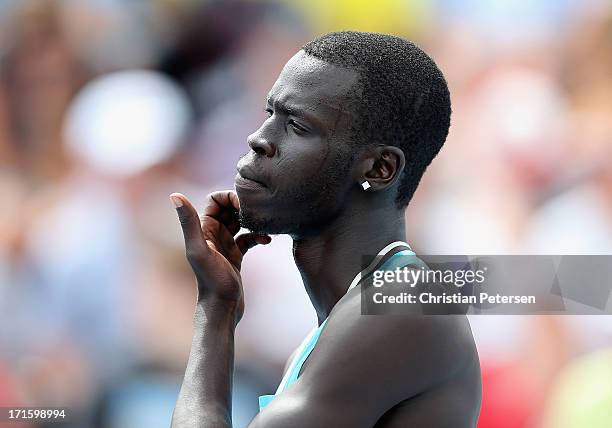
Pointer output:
300, 214
260, 224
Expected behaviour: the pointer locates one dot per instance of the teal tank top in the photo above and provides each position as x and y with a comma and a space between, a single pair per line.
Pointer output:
399, 259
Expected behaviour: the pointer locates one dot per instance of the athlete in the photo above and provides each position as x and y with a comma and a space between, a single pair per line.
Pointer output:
354, 119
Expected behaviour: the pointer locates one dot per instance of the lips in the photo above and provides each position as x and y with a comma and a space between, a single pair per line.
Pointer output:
249, 180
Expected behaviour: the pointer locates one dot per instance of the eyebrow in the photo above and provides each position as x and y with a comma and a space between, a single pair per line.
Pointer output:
291, 109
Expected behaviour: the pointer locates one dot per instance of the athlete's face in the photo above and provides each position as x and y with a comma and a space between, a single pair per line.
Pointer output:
296, 177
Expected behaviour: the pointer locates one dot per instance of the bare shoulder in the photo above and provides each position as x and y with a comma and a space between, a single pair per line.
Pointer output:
394, 357
383, 371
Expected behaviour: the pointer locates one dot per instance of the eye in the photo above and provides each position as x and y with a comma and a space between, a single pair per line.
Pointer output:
297, 127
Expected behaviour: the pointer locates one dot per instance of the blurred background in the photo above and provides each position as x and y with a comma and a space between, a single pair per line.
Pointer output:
108, 106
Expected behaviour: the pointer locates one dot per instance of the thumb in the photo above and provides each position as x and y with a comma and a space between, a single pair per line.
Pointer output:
190, 222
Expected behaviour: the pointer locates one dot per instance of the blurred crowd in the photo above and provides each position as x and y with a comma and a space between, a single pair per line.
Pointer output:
108, 106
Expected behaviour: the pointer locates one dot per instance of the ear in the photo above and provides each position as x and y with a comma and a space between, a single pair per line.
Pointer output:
381, 167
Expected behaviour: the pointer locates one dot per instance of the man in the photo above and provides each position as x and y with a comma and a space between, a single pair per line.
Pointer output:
354, 120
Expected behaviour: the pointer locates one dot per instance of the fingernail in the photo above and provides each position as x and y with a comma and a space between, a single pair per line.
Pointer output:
178, 202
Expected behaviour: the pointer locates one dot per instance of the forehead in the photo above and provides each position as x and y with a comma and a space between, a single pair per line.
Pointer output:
314, 84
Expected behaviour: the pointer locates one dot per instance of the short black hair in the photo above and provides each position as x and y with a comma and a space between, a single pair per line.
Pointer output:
403, 97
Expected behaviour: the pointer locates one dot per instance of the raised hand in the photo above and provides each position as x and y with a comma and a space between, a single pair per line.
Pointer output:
213, 250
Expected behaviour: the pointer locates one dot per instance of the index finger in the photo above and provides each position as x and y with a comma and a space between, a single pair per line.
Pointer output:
222, 207
220, 201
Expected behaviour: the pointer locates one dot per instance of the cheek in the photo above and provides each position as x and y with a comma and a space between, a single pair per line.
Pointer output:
304, 160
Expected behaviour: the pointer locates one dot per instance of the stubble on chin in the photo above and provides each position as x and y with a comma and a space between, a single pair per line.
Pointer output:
253, 223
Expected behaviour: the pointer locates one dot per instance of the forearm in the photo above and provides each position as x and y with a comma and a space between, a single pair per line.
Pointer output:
205, 396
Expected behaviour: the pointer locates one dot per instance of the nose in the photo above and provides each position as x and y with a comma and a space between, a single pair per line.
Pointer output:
261, 145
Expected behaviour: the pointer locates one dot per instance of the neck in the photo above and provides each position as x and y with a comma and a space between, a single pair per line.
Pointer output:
330, 260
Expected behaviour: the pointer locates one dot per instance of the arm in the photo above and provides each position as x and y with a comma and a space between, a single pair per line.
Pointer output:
205, 395
215, 256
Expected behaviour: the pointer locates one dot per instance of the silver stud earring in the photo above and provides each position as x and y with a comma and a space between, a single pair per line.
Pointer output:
365, 185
